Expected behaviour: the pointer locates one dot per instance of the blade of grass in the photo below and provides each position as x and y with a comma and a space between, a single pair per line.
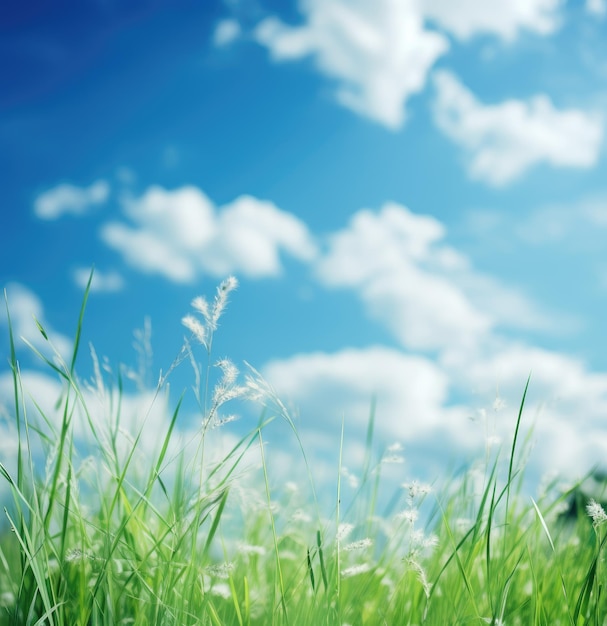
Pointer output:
514, 440
321, 558
85, 298
215, 524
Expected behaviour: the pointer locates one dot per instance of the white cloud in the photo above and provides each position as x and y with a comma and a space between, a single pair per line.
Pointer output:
504, 140
467, 18
102, 282
180, 234
596, 7
509, 307
431, 298
411, 390
563, 377
420, 288
381, 51
566, 403
65, 198
24, 305
378, 51
564, 408
403, 272
226, 32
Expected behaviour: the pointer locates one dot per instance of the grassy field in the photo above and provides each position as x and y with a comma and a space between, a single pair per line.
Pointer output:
106, 535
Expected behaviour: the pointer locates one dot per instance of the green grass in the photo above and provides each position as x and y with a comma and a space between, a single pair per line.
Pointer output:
188, 538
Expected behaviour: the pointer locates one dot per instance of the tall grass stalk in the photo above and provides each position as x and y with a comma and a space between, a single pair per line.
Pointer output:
108, 534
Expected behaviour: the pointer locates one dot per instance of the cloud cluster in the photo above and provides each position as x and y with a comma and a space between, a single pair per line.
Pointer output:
180, 234
69, 199
411, 391
421, 288
504, 140
379, 51
468, 18
447, 317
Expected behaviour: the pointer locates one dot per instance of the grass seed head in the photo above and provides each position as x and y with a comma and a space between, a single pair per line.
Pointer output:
596, 512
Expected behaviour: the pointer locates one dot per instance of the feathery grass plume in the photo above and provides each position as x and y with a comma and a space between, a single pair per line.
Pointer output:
596, 512
210, 313
226, 388
196, 327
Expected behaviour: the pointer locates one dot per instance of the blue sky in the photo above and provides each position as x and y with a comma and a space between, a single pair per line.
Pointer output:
411, 194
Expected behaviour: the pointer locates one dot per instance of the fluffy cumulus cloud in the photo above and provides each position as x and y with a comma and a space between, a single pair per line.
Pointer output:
69, 199
503, 19
504, 140
410, 390
25, 308
181, 234
566, 403
404, 272
431, 298
378, 51
416, 406
564, 408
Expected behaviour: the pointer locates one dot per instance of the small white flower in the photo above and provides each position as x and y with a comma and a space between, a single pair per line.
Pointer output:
417, 489
596, 512
408, 515
417, 537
